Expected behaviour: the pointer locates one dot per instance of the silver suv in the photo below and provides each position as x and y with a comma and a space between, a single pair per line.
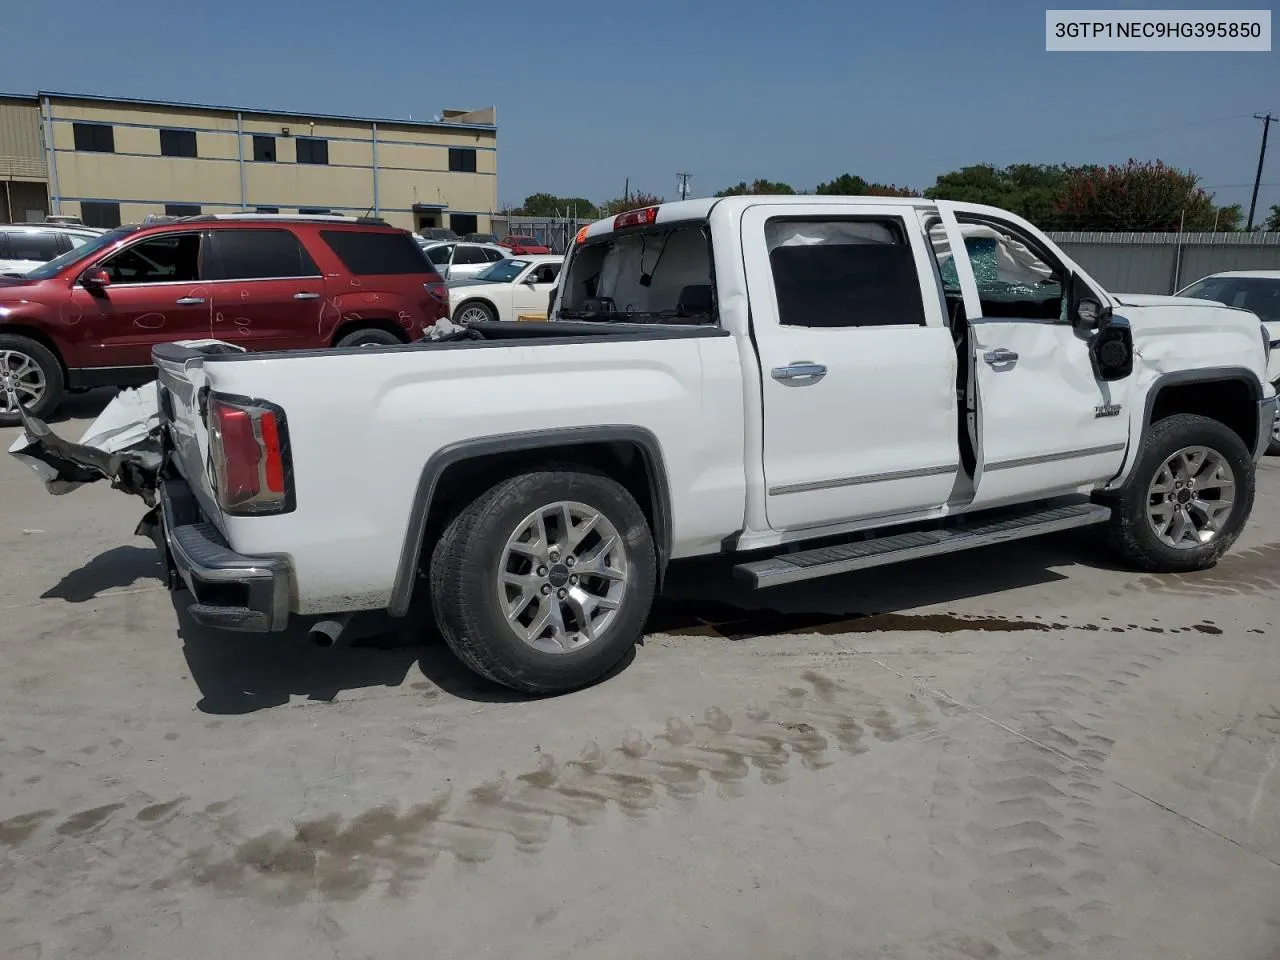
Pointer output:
25, 246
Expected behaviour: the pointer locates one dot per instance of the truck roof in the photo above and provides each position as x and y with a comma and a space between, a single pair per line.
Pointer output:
686, 210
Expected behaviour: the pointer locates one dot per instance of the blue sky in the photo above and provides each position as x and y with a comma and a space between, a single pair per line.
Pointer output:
590, 93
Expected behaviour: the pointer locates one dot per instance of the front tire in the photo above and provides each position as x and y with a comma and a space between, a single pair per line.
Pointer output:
475, 311
544, 582
35, 375
1188, 497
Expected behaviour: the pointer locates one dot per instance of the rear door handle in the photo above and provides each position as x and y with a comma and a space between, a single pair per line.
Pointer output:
999, 355
306, 296
801, 374
188, 301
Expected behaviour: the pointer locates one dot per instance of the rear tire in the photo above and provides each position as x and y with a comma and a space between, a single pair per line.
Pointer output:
1173, 513
38, 379
369, 337
496, 585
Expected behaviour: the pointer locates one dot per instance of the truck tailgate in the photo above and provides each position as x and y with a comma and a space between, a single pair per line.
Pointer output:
182, 412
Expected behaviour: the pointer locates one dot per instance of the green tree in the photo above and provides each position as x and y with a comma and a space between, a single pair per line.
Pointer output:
850, 185
548, 205
1029, 190
756, 187
611, 208
1134, 196
1228, 219
1272, 223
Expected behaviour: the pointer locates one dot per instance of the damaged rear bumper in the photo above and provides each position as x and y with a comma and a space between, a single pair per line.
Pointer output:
231, 591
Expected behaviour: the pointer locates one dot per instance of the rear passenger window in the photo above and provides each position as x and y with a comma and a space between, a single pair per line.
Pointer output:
259, 255
41, 245
366, 253
492, 255
843, 273
470, 255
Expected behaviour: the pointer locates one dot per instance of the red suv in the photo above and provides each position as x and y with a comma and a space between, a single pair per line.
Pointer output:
90, 317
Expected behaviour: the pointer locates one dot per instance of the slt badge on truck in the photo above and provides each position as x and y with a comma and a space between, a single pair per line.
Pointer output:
1106, 410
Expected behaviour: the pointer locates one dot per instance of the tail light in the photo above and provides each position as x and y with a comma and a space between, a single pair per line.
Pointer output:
249, 457
438, 289
636, 218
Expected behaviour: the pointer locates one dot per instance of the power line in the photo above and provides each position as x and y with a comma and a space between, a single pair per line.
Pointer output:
1262, 155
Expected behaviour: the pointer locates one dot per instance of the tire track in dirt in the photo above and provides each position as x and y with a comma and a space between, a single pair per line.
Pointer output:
386, 850
1032, 827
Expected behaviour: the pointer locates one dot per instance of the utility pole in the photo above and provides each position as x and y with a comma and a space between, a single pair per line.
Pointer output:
626, 191
1257, 178
684, 185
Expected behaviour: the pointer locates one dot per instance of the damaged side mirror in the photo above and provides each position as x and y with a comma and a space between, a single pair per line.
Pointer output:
95, 279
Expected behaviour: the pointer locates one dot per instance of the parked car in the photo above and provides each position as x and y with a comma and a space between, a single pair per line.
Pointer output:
456, 261
90, 316
1257, 291
435, 233
24, 247
826, 399
521, 246
505, 290
480, 238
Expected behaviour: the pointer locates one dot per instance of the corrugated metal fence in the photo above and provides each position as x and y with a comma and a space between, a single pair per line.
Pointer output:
1167, 262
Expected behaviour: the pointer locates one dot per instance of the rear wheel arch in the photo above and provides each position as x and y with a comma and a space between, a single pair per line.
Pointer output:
351, 324
457, 473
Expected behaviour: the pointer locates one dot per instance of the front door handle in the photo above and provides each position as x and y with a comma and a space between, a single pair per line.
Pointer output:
306, 296
801, 374
188, 301
999, 355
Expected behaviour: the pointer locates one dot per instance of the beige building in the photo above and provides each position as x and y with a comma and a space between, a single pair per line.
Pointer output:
112, 161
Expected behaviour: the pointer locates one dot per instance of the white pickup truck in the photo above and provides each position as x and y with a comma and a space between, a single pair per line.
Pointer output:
806, 385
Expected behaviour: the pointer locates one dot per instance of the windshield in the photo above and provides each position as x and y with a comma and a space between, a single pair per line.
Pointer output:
56, 265
658, 275
1210, 288
504, 271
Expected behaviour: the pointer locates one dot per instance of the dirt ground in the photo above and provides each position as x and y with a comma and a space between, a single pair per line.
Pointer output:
1018, 752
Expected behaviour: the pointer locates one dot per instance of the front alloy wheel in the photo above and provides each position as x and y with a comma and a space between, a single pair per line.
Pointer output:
1190, 497
21, 381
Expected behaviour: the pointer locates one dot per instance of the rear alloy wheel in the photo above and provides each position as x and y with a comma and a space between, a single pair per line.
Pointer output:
30, 377
544, 582
474, 312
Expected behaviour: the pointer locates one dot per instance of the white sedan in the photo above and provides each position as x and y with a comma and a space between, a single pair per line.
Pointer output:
507, 289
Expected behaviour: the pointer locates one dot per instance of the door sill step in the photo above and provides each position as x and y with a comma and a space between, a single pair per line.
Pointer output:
896, 548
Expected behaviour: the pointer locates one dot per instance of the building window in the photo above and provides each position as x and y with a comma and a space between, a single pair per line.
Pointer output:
462, 160
182, 209
94, 137
177, 143
314, 211
313, 151
264, 149
266, 209
463, 223
99, 213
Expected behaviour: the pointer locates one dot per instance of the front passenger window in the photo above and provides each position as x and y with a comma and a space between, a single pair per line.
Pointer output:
172, 258
1014, 281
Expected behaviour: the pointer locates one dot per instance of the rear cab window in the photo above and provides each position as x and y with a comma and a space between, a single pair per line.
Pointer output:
368, 253
659, 274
